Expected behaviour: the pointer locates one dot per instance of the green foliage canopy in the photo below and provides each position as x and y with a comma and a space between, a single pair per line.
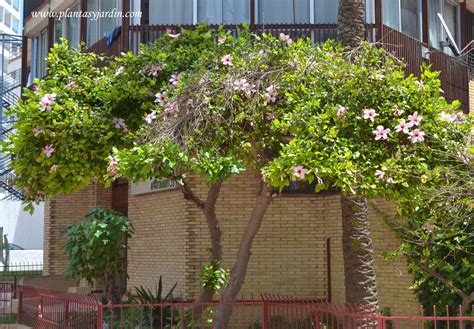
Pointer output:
188, 104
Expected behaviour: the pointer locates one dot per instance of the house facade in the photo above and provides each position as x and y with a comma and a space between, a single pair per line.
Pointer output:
298, 250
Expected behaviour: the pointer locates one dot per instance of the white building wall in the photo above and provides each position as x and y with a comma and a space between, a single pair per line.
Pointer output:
23, 229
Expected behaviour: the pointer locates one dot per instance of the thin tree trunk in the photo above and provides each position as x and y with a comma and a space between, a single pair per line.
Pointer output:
215, 234
239, 270
208, 208
359, 270
351, 22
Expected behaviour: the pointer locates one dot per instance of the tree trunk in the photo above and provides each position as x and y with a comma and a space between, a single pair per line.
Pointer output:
359, 271
239, 269
215, 234
351, 22
208, 208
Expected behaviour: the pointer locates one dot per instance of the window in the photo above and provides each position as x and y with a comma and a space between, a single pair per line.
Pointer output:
15, 25
171, 12
167, 12
450, 12
72, 27
68, 27
283, 11
16, 4
7, 19
222, 11
58, 30
39, 53
404, 16
1, 14
107, 22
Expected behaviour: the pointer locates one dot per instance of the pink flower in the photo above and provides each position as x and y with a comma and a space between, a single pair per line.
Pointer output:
271, 96
286, 38
36, 89
222, 40
54, 168
397, 111
299, 172
460, 117
227, 60
120, 123
370, 114
341, 111
390, 180
403, 126
272, 93
47, 101
119, 71
241, 84
447, 117
112, 168
71, 85
174, 80
379, 174
48, 150
160, 97
153, 71
415, 119
380, 132
37, 131
417, 136
174, 36
150, 117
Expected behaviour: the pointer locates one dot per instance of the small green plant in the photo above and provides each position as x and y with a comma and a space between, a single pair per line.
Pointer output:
214, 277
161, 315
96, 249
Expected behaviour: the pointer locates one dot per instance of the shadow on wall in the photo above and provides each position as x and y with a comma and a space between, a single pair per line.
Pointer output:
23, 229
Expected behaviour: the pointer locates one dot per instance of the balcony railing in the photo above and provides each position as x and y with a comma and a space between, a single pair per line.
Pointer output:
454, 72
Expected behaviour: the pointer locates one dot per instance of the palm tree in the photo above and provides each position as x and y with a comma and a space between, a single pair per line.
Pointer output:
359, 269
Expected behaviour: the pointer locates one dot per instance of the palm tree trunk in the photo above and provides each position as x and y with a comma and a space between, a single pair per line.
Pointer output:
351, 22
359, 270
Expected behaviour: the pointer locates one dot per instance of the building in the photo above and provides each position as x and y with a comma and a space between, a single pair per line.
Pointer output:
290, 253
21, 228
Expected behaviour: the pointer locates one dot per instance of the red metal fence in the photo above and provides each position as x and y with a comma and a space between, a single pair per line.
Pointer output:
39, 308
47, 309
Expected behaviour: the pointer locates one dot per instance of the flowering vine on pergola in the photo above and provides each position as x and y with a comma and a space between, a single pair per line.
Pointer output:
190, 105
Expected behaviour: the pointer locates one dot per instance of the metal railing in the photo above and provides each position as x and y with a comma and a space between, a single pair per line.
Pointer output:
40, 308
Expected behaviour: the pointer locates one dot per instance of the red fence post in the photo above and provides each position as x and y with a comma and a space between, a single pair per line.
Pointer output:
66, 314
100, 316
266, 315
20, 306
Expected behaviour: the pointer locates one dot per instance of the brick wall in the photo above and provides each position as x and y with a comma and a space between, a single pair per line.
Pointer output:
393, 279
159, 245
288, 255
63, 211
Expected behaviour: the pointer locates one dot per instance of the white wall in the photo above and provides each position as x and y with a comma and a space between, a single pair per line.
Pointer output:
23, 229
